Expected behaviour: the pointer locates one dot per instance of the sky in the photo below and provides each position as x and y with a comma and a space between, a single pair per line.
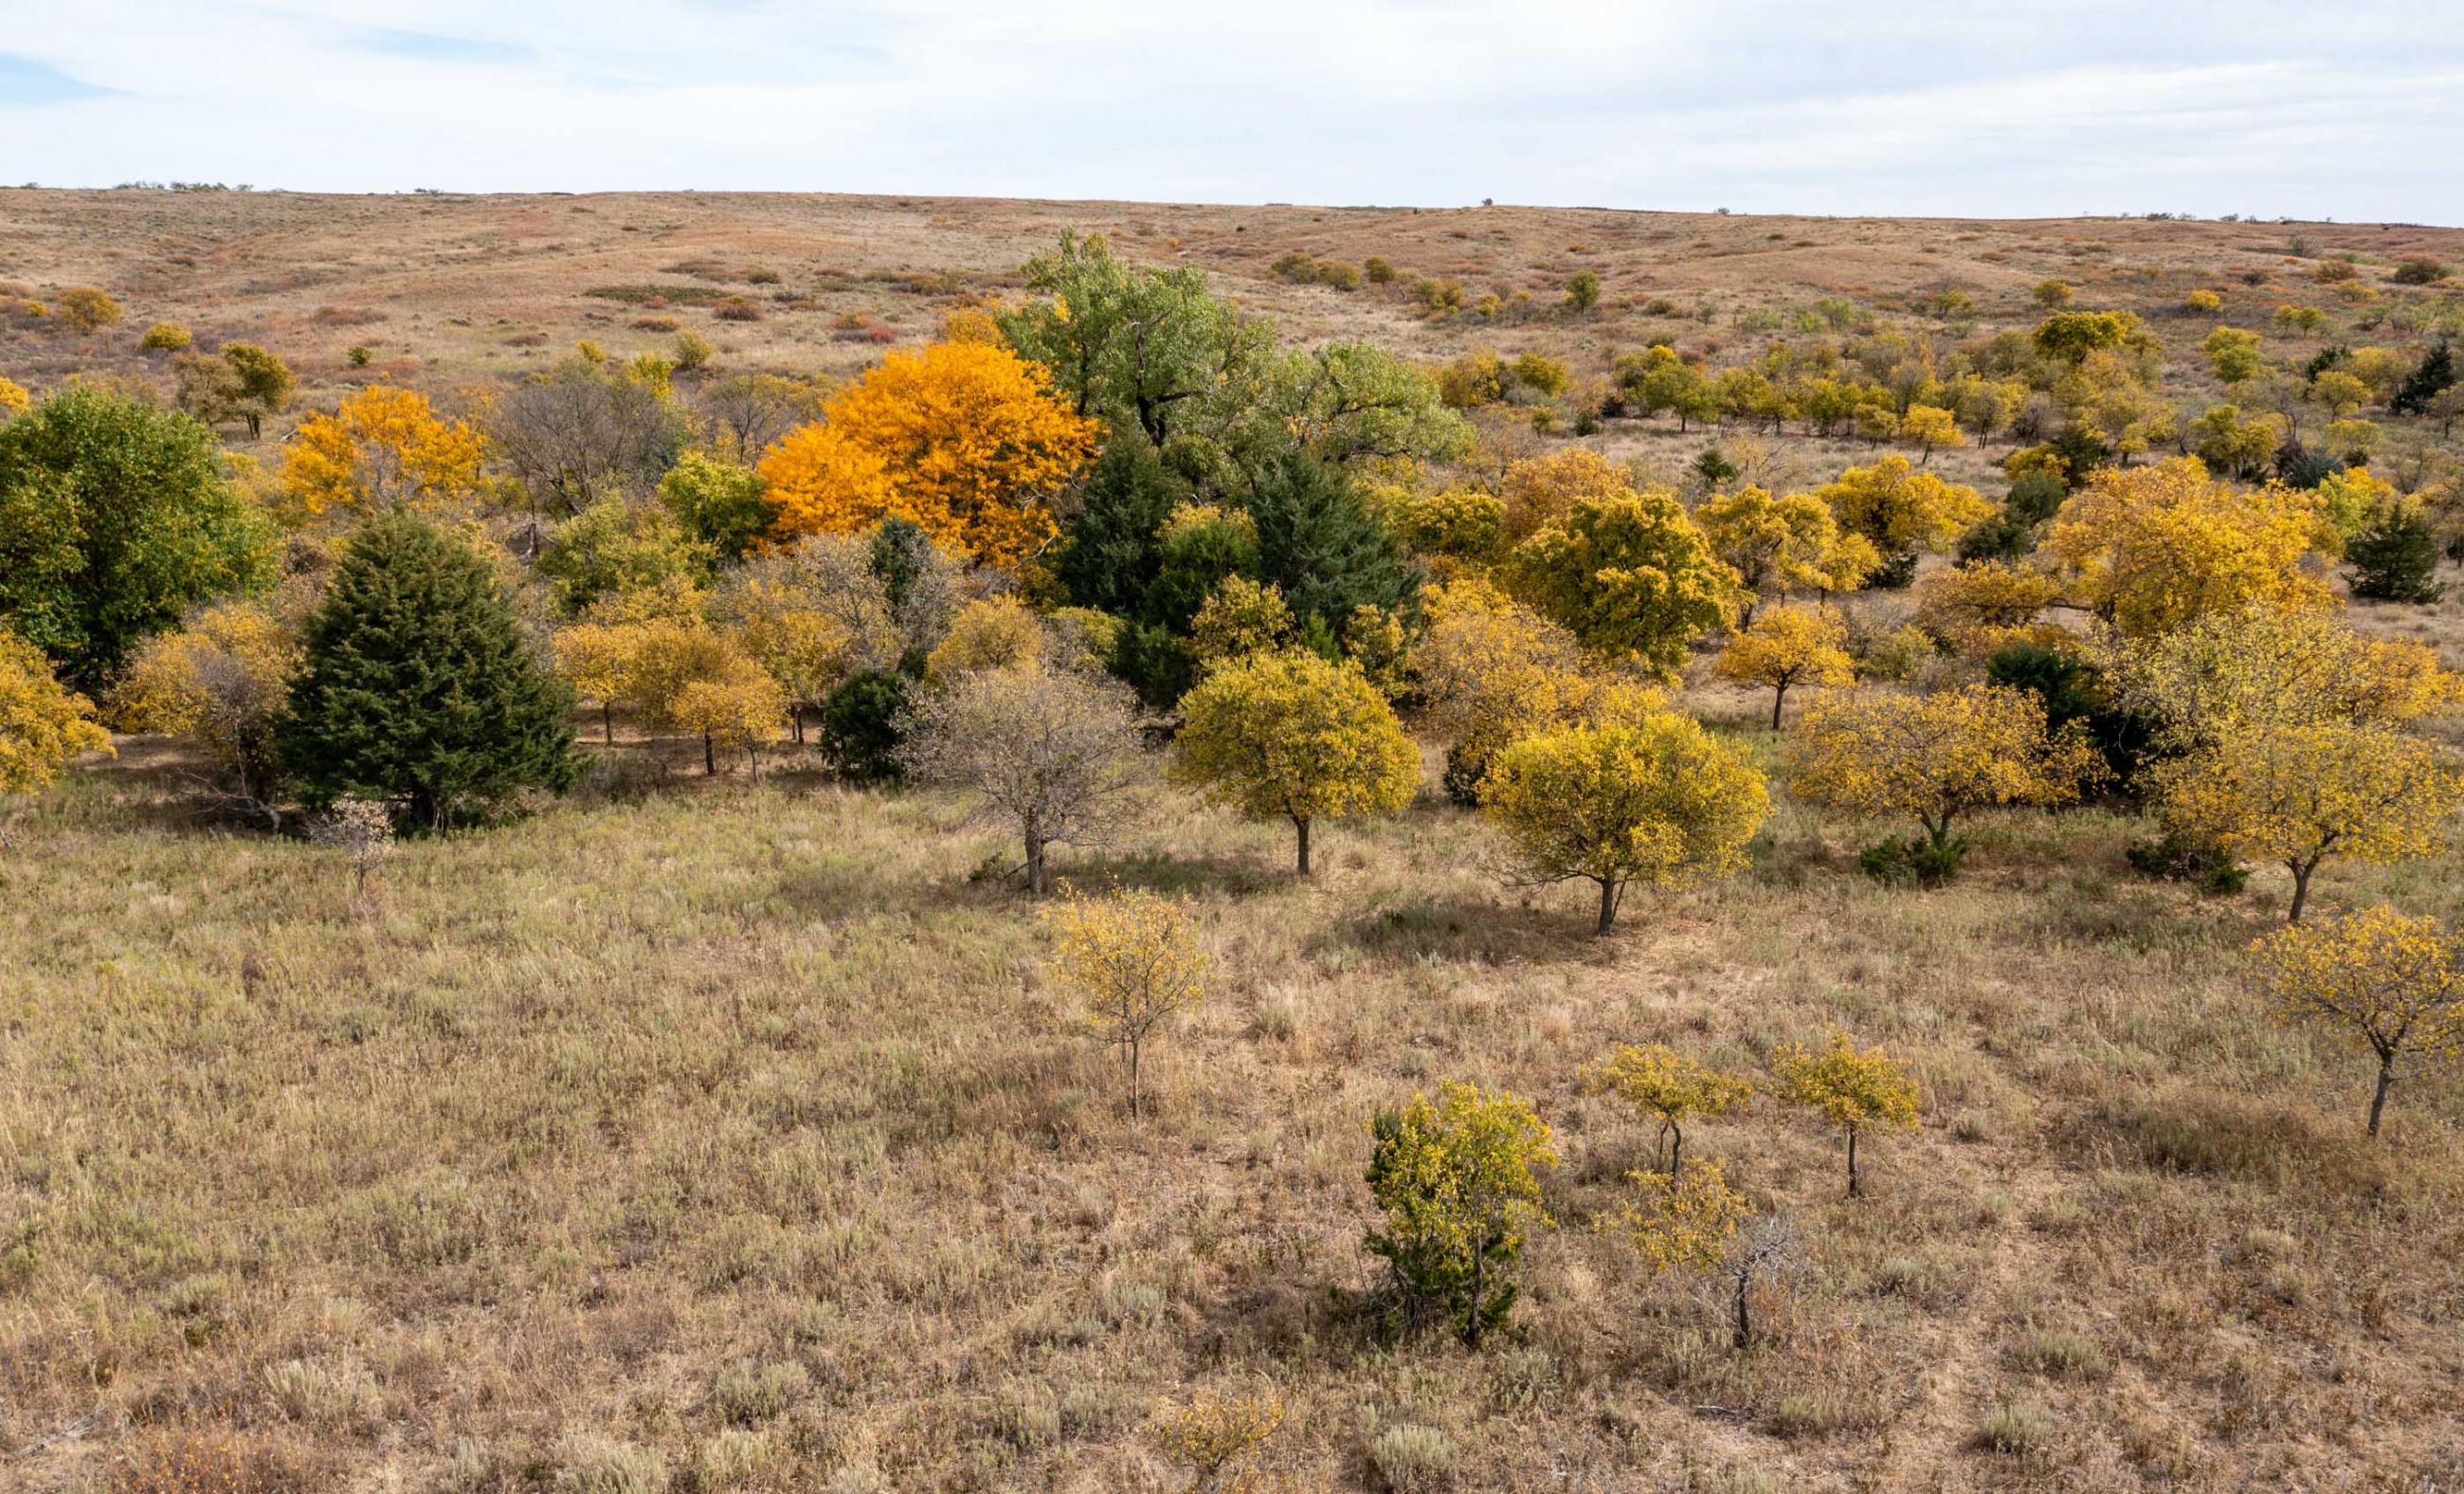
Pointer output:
2352, 110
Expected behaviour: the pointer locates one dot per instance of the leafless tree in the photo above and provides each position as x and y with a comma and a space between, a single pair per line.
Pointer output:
750, 410
1056, 752
582, 433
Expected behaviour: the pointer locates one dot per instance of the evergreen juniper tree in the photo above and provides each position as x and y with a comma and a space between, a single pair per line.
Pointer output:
2393, 559
2436, 372
417, 687
1318, 541
1109, 553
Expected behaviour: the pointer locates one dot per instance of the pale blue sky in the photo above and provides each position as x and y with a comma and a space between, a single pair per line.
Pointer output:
1918, 106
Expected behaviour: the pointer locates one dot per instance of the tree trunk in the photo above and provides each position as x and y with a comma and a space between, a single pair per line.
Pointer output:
1478, 1265
796, 718
1038, 881
753, 757
709, 758
1137, 1108
607, 724
1608, 910
2377, 1102
1303, 826
1676, 1148
2300, 888
1779, 694
1852, 1162
1745, 1336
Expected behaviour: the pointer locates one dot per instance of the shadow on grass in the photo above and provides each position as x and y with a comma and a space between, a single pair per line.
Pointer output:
1148, 871
1475, 931
2215, 1135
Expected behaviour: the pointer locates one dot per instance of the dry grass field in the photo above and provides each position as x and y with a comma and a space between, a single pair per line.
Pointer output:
734, 1136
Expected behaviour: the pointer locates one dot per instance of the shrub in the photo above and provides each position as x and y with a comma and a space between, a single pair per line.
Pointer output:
86, 309
1920, 862
1408, 1457
748, 1393
691, 350
359, 355
1582, 290
2419, 271
1378, 270
1457, 1180
2175, 859
735, 308
166, 337
1338, 273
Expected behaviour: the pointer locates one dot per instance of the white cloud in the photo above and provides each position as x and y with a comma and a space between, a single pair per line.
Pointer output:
1923, 106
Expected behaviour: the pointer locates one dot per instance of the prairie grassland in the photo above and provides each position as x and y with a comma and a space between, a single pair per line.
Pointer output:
734, 1138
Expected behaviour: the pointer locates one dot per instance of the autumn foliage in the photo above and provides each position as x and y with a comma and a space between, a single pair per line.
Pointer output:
967, 439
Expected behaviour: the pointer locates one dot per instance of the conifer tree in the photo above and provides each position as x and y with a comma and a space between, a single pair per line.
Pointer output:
417, 688
2394, 559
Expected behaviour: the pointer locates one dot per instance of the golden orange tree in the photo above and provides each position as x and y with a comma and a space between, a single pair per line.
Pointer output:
965, 439
381, 445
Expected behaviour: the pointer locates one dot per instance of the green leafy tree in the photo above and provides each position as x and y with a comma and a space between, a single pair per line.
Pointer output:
264, 383
719, 502
416, 686
1459, 1180
2395, 556
1111, 549
1582, 290
861, 731
116, 520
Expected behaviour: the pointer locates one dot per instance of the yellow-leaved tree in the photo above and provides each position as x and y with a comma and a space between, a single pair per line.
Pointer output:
2150, 549
43, 725
1629, 576
1936, 757
380, 446
1655, 799
1782, 544
990, 632
1661, 1085
1987, 604
1135, 961
1490, 670
1855, 1090
1292, 736
738, 707
2384, 981
1789, 646
2302, 794
965, 439
1901, 511
2261, 667
221, 681
1693, 1220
